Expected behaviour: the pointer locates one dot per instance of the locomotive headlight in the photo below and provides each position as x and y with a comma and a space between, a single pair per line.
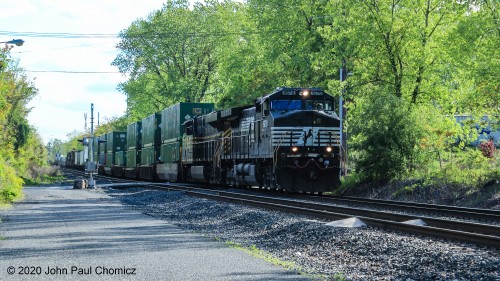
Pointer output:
329, 149
295, 149
305, 93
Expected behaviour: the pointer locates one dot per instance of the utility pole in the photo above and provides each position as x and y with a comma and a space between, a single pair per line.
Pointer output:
85, 117
91, 167
342, 114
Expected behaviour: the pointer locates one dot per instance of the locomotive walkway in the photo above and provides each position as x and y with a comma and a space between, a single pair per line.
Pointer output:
58, 233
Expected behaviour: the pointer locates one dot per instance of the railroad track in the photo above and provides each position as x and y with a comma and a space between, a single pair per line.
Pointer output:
486, 215
97, 177
463, 231
470, 232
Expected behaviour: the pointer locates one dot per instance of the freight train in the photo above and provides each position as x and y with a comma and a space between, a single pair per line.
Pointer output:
288, 140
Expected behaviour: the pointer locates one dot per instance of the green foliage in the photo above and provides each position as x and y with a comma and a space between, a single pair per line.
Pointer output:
45, 175
172, 56
473, 50
10, 184
385, 136
54, 147
112, 124
463, 168
21, 149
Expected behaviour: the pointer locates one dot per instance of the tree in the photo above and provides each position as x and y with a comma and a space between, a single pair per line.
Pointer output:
399, 52
21, 149
54, 147
394, 46
473, 48
171, 56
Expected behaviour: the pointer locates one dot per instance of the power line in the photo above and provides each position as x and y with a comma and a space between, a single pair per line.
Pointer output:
73, 72
58, 34
57, 48
177, 34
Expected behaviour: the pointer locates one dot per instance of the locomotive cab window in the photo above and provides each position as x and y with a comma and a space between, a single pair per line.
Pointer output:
319, 105
284, 105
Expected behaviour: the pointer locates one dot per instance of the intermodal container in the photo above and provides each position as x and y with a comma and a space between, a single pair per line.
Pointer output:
133, 158
149, 155
102, 150
115, 141
151, 130
134, 135
120, 158
174, 116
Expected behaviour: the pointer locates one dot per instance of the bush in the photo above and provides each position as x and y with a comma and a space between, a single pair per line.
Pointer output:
467, 167
488, 148
384, 135
43, 175
10, 184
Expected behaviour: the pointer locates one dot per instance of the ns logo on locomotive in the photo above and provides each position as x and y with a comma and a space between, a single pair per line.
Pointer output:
289, 139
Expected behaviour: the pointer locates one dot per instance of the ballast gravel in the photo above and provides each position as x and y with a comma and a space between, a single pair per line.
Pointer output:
322, 251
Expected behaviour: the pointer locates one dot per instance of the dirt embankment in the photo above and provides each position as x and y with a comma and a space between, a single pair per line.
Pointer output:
487, 196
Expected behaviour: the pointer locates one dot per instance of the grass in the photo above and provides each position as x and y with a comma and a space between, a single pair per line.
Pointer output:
256, 252
2, 237
44, 179
288, 265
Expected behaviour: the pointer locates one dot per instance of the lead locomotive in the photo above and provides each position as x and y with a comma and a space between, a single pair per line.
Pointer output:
287, 140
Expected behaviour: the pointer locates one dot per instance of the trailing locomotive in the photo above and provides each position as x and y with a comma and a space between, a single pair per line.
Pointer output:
289, 139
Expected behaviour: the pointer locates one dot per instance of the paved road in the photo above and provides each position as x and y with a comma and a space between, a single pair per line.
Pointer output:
58, 233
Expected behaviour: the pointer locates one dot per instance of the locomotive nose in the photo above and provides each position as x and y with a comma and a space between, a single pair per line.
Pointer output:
313, 175
307, 118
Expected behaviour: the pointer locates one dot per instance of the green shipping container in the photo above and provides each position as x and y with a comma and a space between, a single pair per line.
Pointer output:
120, 158
151, 130
115, 141
95, 147
102, 145
149, 155
134, 135
133, 158
173, 117
172, 129
170, 152
110, 159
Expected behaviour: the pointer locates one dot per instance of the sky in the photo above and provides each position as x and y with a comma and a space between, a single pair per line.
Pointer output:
50, 62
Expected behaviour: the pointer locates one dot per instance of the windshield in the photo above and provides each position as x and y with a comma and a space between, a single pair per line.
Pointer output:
319, 105
286, 105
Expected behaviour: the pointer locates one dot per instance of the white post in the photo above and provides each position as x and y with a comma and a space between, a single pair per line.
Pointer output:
91, 163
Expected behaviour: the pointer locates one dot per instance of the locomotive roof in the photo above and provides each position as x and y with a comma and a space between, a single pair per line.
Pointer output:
285, 91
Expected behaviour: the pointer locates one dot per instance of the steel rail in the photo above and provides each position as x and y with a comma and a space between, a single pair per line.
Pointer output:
459, 212
434, 222
329, 214
97, 176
